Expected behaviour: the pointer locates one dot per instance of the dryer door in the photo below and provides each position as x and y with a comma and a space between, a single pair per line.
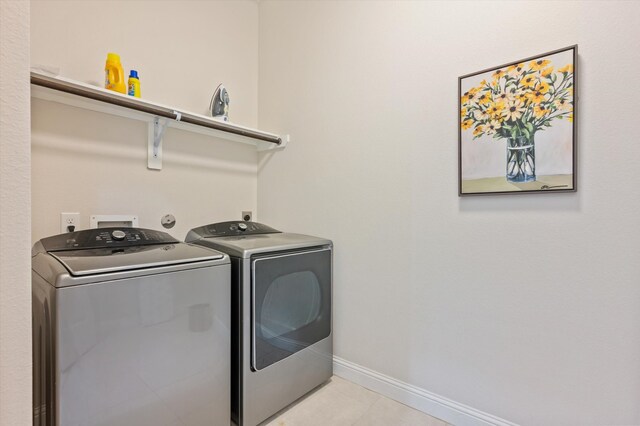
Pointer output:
291, 304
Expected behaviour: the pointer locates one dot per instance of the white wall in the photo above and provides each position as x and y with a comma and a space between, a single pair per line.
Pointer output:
91, 163
525, 307
15, 259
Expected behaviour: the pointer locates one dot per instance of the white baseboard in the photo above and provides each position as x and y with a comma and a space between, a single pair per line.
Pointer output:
435, 405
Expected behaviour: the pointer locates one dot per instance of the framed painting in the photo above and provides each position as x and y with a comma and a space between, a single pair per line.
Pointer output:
517, 126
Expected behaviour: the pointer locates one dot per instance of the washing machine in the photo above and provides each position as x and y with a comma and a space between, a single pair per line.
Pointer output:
130, 327
281, 339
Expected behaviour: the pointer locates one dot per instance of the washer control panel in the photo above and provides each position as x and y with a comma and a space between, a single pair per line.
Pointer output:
106, 238
234, 228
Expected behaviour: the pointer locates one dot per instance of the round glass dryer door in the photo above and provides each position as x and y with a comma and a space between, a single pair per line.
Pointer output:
291, 305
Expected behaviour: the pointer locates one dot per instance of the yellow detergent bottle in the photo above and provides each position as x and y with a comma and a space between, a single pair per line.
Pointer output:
114, 74
134, 84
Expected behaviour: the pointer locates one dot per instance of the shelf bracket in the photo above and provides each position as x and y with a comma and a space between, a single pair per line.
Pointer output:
154, 147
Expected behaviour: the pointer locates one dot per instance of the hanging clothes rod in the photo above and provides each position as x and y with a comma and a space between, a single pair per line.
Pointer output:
137, 104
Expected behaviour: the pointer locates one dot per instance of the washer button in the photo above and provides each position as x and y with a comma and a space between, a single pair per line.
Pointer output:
242, 226
118, 235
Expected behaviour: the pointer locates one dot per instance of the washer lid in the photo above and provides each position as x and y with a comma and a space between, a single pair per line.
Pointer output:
105, 260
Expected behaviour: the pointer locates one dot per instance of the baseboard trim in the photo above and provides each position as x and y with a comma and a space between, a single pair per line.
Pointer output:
435, 405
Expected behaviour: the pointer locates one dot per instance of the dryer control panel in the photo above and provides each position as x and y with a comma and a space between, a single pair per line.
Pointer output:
233, 228
106, 238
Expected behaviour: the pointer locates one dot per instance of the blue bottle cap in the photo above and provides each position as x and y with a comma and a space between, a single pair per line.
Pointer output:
133, 74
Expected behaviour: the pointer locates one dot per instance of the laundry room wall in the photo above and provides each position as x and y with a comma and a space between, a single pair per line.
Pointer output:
93, 163
525, 307
15, 206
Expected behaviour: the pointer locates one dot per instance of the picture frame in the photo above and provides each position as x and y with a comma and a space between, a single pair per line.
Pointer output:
517, 126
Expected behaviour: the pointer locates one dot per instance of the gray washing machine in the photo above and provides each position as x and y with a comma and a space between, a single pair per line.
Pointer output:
281, 335
130, 327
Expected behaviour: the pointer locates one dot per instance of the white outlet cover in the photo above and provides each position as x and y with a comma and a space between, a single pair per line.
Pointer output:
69, 219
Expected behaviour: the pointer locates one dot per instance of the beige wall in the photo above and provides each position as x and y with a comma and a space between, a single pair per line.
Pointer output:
15, 259
91, 163
181, 49
525, 307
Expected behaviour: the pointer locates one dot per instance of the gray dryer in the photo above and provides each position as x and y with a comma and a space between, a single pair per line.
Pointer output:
281, 339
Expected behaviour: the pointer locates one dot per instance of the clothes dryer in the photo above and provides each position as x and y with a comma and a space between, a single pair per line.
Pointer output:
130, 327
281, 336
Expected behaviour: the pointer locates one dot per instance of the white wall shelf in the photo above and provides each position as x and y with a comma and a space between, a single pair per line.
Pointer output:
158, 117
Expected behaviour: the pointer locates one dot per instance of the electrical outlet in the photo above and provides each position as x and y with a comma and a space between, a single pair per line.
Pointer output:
247, 216
69, 222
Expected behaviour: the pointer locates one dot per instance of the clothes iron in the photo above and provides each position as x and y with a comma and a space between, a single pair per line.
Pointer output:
219, 107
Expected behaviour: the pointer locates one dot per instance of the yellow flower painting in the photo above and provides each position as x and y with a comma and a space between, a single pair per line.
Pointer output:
529, 107
538, 64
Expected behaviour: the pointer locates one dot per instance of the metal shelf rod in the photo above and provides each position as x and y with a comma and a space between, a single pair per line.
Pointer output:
103, 95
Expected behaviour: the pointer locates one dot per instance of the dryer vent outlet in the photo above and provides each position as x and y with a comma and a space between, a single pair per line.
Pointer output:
247, 216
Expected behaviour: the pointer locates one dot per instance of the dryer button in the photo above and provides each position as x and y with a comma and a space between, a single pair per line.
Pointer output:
242, 226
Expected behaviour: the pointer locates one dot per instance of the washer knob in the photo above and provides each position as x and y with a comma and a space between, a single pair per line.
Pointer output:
242, 226
118, 235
